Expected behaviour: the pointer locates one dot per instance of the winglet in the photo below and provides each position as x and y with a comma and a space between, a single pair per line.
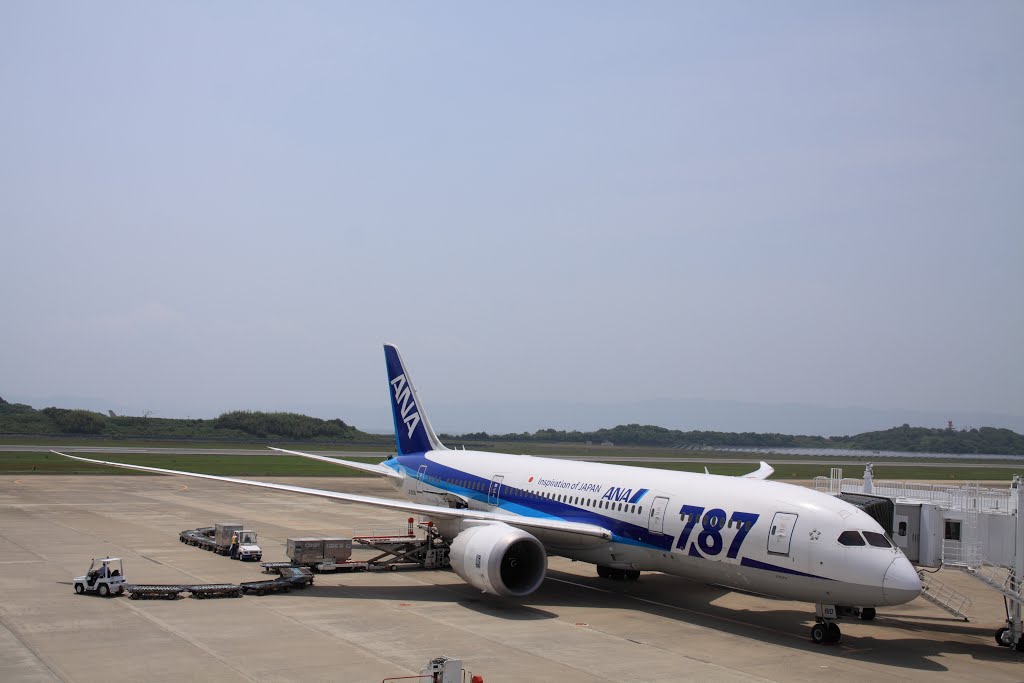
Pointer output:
413, 432
762, 472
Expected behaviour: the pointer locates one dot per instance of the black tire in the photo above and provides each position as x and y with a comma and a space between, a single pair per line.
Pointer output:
79, 588
834, 634
103, 590
604, 572
632, 574
999, 637
133, 596
818, 633
867, 614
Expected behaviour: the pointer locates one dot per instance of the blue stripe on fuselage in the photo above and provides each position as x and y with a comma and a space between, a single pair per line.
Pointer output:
757, 564
510, 499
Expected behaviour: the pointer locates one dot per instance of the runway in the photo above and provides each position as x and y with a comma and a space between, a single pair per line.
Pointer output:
365, 627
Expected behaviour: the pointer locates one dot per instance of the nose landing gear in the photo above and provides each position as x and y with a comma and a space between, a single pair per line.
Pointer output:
825, 629
826, 632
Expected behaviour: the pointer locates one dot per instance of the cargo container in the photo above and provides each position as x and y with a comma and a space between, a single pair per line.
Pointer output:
323, 554
223, 530
337, 548
305, 550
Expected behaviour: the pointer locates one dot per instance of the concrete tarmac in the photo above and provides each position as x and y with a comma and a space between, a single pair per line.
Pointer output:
370, 626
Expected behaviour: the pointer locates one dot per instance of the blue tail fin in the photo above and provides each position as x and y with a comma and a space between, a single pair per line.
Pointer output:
412, 429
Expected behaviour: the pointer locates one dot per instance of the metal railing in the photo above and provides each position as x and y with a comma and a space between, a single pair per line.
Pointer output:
961, 553
1002, 579
944, 596
969, 497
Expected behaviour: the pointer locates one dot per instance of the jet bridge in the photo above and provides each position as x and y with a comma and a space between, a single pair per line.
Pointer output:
975, 529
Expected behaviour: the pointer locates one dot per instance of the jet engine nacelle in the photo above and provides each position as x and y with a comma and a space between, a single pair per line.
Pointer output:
499, 559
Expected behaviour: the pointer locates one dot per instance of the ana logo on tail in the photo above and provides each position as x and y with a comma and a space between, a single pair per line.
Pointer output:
405, 404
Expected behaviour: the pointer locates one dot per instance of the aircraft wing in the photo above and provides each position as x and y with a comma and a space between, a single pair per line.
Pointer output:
556, 529
364, 466
762, 472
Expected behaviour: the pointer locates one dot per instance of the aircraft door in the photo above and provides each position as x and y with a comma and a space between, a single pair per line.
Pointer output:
906, 530
494, 492
420, 476
781, 533
656, 520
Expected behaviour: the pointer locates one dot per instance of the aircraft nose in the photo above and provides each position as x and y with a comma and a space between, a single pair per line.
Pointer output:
901, 582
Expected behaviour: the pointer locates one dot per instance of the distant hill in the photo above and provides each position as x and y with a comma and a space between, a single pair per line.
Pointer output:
21, 419
988, 440
241, 425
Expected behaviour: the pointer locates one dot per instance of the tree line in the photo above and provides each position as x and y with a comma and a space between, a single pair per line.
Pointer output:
239, 425
989, 440
247, 425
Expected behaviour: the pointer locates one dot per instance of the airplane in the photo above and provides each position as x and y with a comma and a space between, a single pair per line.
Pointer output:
504, 514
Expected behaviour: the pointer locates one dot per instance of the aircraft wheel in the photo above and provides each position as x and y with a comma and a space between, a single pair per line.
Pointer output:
604, 572
867, 614
1001, 637
818, 633
632, 574
104, 590
834, 634
79, 588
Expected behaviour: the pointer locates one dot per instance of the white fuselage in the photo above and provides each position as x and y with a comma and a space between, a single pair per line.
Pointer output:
766, 537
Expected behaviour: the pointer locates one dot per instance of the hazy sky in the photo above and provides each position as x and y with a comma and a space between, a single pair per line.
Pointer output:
211, 206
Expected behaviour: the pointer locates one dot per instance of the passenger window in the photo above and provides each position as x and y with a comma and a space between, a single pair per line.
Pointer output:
851, 538
876, 539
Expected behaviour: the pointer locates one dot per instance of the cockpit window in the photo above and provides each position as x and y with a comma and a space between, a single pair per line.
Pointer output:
876, 539
851, 538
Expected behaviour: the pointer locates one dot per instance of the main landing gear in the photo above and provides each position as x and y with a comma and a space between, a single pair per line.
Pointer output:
1004, 638
617, 574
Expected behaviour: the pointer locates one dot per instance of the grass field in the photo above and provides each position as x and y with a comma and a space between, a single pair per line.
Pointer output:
387, 446
292, 466
224, 465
